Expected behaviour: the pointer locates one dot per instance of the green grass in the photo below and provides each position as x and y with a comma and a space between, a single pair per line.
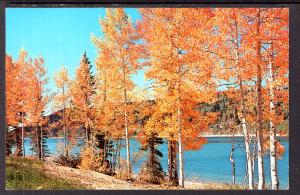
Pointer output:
28, 174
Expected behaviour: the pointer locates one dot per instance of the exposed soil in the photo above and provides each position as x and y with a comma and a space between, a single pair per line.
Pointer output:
99, 181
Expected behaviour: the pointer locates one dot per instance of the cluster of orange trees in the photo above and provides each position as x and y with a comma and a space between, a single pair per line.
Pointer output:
190, 55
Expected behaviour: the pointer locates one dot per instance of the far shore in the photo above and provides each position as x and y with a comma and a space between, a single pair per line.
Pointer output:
206, 136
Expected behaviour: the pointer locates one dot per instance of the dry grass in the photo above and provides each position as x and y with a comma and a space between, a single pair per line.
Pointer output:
96, 180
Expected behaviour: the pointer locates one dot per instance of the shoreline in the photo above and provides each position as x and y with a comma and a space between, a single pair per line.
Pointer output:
92, 180
99, 181
205, 136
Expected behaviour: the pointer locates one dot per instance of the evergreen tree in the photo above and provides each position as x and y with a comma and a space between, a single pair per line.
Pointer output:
38, 141
83, 90
106, 147
151, 170
9, 142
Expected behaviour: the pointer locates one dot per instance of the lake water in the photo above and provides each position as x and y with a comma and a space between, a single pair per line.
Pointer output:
210, 163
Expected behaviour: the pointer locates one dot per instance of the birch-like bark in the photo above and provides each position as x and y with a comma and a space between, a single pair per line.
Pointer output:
254, 152
232, 161
180, 149
126, 123
243, 109
246, 136
272, 132
126, 136
23, 143
42, 156
64, 123
260, 152
37, 142
245, 132
248, 151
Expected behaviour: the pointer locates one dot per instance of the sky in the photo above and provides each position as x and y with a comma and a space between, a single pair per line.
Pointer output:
60, 36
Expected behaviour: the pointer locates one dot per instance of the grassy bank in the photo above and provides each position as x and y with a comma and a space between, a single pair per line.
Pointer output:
29, 174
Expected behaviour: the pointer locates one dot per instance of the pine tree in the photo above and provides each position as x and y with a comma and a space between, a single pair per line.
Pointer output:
106, 147
83, 90
151, 171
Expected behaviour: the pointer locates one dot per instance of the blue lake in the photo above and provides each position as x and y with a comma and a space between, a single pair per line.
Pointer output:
209, 164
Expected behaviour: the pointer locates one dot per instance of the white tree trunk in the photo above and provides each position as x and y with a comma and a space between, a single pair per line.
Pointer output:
23, 143
232, 160
180, 149
64, 122
126, 124
272, 133
127, 141
42, 157
246, 138
248, 154
260, 152
243, 117
260, 164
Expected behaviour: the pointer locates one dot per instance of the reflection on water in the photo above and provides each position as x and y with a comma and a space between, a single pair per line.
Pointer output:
210, 163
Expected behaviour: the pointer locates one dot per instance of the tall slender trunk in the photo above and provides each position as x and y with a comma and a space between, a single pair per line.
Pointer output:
243, 109
119, 154
175, 162
272, 131
93, 142
180, 148
41, 152
64, 123
169, 162
126, 123
113, 158
127, 142
37, 144
232, 160
104, 150
260, 152
172, 162
254, 152
180, 153
247, 138
23, 143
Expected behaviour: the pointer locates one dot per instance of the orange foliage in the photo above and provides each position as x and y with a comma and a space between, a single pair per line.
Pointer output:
175, 41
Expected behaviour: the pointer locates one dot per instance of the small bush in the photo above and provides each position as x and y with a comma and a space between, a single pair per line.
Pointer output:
88, 159
100, 166
151, 175
121, 172
68, 160
105, 168
93, 161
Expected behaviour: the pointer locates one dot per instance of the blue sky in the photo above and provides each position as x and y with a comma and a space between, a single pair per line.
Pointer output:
59, 35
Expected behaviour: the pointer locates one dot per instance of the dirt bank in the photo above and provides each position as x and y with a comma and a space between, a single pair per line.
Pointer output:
99, 181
